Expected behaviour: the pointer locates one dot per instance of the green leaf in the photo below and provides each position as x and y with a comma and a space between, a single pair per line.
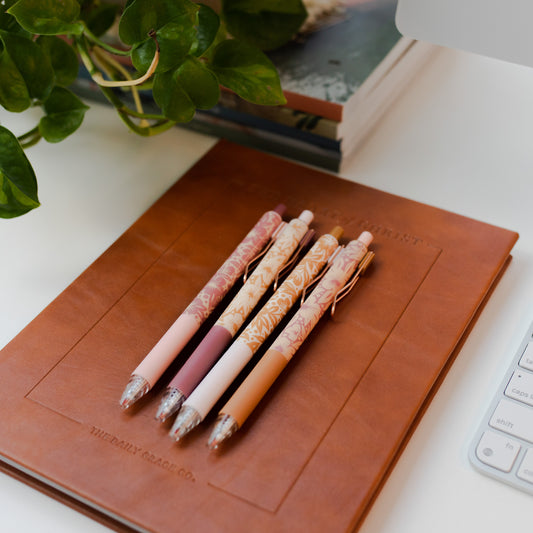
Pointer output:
172, 98
199, 83
266, 24
25, 72
221, 36
175, 40
64, 114
178, 93
99, 19
62, 58
9, 22
206, 28
14, 94
144, 16
142, 55
248, 72
18, 186
48, 17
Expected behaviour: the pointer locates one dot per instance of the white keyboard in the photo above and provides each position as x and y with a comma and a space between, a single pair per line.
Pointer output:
503, 444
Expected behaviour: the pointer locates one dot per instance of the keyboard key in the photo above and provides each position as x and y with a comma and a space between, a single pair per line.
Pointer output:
503, 445
526, 360
497, 450
521, 387
514, 419
525, 471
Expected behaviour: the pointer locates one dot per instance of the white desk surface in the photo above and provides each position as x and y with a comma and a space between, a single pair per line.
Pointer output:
460, 138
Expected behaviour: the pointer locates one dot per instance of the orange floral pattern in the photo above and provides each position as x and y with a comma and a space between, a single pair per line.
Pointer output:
319, 300
291, 289
217, 287
262, 277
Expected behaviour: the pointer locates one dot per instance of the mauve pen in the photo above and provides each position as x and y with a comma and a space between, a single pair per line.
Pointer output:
187, 324
241, 404
226, 327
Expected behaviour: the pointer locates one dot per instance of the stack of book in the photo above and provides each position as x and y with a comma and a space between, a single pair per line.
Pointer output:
339, 78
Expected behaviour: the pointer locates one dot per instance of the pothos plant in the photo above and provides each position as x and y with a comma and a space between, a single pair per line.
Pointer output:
180, 50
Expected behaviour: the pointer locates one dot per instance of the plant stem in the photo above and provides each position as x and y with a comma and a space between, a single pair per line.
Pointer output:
30, 138
30, 133
98, 78
116, 51
123, 112
91, 68
146, 131
146, 116
105, 60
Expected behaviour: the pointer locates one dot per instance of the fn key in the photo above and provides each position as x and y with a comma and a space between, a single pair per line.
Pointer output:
497, 451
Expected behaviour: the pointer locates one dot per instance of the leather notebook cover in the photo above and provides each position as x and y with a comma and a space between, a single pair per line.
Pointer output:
313, 454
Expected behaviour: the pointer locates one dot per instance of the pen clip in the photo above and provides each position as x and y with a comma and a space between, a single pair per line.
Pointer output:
349, 285
306, 239
317, 278
256, 259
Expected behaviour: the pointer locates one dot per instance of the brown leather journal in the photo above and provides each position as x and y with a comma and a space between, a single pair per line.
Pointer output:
315, 452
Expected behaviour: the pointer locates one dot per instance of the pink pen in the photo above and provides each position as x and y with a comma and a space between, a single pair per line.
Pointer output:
187, 324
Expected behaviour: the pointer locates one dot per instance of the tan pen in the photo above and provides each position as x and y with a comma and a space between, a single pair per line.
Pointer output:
241, 404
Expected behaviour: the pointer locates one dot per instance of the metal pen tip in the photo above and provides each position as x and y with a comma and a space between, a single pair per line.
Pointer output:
188, 418
136, 388
225, 428
170, 404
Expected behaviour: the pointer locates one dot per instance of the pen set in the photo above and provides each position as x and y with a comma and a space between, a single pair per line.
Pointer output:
219, 359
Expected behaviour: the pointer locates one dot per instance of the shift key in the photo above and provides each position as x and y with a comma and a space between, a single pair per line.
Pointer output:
514, 419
